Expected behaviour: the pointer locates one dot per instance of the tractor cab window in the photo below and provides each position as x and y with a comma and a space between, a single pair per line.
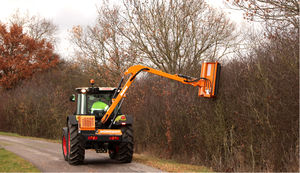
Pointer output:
101, 100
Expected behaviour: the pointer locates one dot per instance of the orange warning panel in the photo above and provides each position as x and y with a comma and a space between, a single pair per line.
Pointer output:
210, 74
86, 122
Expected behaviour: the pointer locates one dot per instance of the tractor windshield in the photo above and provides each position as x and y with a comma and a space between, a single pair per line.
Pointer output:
100, 99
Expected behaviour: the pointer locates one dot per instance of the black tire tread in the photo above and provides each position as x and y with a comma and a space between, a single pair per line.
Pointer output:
77, 149
126, 148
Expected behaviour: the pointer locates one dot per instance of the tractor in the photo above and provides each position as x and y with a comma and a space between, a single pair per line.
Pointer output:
99, 124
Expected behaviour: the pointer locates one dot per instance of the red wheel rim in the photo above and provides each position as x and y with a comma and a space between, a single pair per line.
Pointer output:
64, 145
69, 141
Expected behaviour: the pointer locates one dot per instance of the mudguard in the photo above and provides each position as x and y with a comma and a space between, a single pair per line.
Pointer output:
72, 119
65, 131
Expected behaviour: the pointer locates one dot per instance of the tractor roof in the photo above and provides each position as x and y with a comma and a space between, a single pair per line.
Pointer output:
95, 89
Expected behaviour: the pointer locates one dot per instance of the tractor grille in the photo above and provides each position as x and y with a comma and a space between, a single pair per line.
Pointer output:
86, 122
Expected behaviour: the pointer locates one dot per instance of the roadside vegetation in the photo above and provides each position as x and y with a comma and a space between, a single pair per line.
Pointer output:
9, 162
253, 124
30, 137
168, 165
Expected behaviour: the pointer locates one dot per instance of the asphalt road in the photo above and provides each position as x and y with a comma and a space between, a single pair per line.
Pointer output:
48, 157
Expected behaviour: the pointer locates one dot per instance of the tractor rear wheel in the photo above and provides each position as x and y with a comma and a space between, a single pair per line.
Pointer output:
76, 145
124, 150
65, 148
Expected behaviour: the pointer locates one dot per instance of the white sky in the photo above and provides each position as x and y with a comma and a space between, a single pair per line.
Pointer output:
68, 13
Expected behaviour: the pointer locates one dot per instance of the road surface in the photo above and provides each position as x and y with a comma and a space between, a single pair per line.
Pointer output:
48, 157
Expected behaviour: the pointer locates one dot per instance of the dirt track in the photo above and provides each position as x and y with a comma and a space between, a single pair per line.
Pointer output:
48, 157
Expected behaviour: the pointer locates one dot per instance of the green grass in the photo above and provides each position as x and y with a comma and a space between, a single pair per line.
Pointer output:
9, 134
169, 165
30, 137
9, 162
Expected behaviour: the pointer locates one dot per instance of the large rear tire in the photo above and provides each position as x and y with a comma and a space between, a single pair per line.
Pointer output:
125, 149
76, 145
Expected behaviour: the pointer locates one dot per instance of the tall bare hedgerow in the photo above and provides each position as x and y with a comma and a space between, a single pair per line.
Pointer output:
39, 106
251, 126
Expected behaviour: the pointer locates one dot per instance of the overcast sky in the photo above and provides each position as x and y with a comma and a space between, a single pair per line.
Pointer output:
68, 13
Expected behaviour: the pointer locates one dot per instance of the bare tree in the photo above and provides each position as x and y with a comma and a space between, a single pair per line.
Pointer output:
284, 11
35, 26
175, 36
105, 51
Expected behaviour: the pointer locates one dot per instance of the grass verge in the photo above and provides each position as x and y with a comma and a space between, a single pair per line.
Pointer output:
9, 162
168, 165
9, 134
29, 137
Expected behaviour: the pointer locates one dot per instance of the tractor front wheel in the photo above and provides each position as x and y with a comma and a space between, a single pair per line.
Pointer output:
76, 145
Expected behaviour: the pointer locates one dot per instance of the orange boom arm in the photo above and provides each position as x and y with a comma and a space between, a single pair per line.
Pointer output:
207, 83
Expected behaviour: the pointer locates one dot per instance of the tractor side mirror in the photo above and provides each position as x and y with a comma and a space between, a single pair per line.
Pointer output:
72, 98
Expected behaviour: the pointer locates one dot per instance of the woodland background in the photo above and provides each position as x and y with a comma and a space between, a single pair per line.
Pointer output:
253, 124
